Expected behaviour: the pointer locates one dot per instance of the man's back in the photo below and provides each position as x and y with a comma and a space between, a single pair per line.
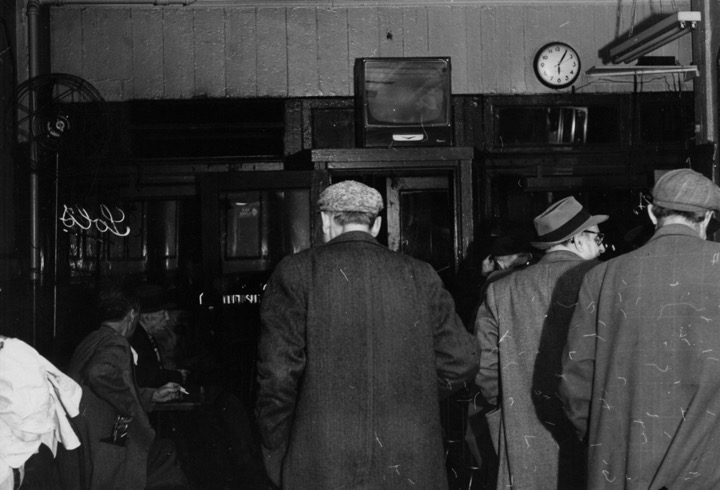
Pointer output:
522, 328
648, 321
363, 325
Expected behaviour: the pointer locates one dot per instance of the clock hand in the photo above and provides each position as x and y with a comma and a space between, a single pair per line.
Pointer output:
561, 60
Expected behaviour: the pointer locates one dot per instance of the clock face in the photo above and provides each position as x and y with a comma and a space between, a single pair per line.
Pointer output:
557, 65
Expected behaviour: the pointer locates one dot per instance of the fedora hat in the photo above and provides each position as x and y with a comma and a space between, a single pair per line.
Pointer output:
564, 219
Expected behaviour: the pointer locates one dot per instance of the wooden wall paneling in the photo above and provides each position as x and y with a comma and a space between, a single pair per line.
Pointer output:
446, 29
459, 50
534, 40
363, 35
302, 42
579, 26
272, 79
488, 51
178, 62
510, 62
147, 54
476, 70
209, 49
415, 31
66, 53
603, 34
333, 53
108, 44
391, 31
241, 53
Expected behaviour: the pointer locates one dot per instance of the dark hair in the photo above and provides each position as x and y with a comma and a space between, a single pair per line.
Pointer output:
358, 217
691, 216
115, 301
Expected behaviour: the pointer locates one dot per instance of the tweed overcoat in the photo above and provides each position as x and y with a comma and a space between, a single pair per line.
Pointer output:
522, 326
641, 377
357, 343
103, 366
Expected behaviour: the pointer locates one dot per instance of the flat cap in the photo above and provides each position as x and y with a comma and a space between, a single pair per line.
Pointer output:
686, 190
350, 196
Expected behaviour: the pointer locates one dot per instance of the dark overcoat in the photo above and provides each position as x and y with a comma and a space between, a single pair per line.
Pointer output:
103, 366
522, 326
642, 373
357, 342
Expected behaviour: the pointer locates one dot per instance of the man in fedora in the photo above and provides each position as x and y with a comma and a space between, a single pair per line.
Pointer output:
522, 325
641, 376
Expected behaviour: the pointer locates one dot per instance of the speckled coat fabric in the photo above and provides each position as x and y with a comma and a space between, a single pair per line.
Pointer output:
643, 362
357, 344
522, 327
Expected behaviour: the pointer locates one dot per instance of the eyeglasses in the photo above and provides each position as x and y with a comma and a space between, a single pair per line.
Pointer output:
599, 237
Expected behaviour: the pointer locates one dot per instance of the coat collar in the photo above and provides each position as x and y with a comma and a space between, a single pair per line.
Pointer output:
353, 236
674, 229
559, 256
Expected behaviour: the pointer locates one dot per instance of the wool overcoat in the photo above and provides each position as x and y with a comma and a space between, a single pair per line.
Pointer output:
103, 366
357, 343
522, 325
641, 377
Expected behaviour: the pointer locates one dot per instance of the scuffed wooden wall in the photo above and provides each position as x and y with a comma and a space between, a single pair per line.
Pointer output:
197, 51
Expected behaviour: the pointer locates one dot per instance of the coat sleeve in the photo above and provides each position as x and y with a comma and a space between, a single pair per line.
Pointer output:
456, 350
281, 353
579, 357
486, 331
109, 376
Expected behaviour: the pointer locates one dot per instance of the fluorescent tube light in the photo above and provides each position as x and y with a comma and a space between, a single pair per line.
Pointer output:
655, 36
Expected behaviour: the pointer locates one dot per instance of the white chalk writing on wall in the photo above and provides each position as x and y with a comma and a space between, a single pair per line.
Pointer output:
108, 221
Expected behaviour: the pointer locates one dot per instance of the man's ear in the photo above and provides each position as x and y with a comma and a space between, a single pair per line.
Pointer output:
326, 222
652, 216
376, 226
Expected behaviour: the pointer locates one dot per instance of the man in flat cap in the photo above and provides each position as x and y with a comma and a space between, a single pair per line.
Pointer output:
521, 326
641, 371
357, 344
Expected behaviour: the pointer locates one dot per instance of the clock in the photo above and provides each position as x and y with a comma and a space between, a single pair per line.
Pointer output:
557, 65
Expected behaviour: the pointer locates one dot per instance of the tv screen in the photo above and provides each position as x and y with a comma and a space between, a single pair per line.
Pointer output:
403, 101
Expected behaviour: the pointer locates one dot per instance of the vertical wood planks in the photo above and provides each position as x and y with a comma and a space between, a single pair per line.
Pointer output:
390, 30
179, 58
415, 31
446, 28
302, 52
241, 53
332, 52
363, 36
66, 35
147, 60
272, 75
209, 49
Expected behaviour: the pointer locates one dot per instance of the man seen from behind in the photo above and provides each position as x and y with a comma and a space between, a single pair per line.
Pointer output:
357, 344
641, 373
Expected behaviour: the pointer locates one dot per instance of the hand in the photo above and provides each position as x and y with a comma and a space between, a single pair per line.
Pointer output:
167, 392
488, 265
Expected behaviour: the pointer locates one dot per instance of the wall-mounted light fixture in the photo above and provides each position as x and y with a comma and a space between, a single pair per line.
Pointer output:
655, 36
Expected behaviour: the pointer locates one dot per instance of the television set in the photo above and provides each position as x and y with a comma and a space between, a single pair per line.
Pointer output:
403, 102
